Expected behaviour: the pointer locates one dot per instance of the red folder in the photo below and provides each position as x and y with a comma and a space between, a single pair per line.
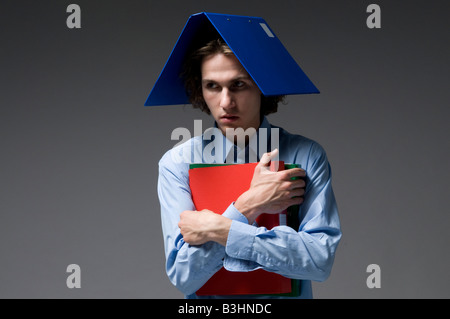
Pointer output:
215, 188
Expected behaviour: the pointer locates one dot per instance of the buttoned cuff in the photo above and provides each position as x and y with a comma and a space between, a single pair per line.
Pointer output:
239, 244
240, 240
232, 213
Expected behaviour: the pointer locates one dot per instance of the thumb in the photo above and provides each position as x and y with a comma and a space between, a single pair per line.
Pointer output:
267, 157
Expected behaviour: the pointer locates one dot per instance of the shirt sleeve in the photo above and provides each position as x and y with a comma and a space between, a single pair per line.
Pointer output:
306, 253
188, 267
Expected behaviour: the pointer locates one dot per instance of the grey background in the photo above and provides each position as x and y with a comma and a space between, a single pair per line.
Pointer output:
79, 151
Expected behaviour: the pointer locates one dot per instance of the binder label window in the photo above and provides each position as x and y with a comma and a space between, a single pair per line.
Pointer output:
267, 30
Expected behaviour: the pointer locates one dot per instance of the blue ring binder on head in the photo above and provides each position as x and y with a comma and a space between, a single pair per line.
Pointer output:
254, 44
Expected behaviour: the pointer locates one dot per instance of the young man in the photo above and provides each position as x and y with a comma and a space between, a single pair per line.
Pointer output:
199, 243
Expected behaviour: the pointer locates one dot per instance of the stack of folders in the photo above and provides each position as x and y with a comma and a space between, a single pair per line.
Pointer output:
215, 187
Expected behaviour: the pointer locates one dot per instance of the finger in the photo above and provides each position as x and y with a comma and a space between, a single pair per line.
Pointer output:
298, 192
296, 201
297, 183
295, 172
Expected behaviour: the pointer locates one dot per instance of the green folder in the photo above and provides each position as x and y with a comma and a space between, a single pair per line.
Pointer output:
293, 222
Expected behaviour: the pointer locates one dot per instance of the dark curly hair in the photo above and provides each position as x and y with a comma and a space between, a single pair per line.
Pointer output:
193, 78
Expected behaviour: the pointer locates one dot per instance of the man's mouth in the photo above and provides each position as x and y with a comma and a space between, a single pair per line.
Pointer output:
229, 118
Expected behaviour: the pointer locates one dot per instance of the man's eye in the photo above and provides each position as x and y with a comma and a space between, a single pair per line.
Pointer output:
211, 86
238, 84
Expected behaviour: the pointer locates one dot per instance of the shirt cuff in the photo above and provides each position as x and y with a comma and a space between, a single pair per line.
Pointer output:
239, 247
232, 213
240, 236
240, 240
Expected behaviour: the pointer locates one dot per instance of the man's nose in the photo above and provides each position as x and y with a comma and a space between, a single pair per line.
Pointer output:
226, 99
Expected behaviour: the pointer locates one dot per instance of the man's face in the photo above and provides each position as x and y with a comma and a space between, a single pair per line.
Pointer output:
231, 95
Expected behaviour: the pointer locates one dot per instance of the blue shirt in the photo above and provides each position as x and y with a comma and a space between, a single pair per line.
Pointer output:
306, 253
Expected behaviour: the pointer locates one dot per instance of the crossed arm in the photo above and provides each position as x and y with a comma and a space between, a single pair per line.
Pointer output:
269, 192
199, 243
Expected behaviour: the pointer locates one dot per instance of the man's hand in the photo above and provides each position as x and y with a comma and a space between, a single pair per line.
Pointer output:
271, 192
199, 227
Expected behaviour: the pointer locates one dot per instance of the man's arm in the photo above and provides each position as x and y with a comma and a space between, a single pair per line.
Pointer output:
269, 192
306, 253
187, 266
